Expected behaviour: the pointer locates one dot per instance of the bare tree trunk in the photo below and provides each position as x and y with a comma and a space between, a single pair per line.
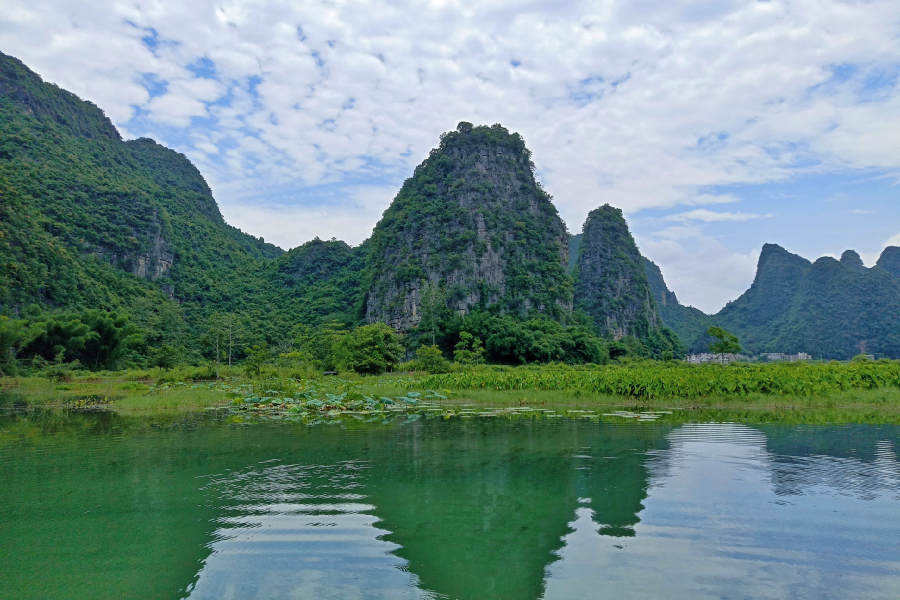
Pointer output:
217, 355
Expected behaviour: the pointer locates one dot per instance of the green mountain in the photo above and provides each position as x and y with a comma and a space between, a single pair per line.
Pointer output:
89, 221
321, 281
829, 308
756, 316
574, 247
611, 284
842, 309
473, 223
890, 260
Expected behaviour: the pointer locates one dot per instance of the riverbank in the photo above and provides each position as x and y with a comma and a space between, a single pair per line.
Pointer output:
816, 393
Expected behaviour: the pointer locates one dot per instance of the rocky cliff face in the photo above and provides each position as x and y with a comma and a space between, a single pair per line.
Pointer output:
611, 281
474, 224
154, 262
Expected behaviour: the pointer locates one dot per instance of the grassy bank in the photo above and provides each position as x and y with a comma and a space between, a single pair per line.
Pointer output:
868, 392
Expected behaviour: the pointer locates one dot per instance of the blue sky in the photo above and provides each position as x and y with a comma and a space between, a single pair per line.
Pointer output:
716, 126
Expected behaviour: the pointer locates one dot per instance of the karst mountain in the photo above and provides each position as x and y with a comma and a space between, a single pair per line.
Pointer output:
89, 220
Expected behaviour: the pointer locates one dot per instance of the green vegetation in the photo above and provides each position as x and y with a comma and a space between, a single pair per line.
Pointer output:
653, 380
726, 343
857, 392
114, 255
473, 225
689, 324
829, 308
371, 349
612, 287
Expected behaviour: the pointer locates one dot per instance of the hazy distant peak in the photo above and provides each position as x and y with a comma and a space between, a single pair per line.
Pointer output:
851, 258
890, 260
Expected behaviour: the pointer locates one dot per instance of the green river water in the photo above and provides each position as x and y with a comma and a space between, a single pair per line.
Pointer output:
102, 506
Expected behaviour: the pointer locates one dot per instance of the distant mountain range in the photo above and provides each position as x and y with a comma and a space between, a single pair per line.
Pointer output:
829, 308
89, 220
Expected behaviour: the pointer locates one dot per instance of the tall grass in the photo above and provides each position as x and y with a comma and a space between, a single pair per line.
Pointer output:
676, 380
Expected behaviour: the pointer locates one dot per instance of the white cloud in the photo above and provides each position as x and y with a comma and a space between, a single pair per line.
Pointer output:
709, 216
283, 224
870, 258
638, 105
705, 274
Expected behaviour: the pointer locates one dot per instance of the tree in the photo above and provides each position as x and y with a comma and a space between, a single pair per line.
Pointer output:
431, 359
234, 329
320, 341
368, 349
434, 307
216, 336
14, 336
165, 357
257, 356
469, 350
727, 343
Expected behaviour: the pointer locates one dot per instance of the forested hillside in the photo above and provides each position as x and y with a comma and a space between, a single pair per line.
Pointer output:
91, 220
611, 284
88, 221
102, 238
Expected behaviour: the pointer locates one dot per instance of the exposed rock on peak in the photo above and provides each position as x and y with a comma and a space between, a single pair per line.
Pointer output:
611, 280
473, 221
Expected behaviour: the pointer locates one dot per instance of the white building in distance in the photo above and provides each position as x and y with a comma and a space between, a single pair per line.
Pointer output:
776, 356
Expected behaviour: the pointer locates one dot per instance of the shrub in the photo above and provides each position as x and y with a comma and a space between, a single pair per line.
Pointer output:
431, 359
368, 349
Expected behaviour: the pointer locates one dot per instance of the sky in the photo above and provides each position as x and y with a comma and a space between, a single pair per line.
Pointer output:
717, 126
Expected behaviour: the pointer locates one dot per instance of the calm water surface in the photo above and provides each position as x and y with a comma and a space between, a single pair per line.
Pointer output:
100, 506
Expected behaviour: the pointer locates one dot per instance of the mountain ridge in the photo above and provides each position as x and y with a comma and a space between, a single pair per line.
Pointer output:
88, 220
829, 308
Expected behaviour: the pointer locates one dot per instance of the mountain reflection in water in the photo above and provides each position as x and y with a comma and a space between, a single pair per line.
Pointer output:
471, 509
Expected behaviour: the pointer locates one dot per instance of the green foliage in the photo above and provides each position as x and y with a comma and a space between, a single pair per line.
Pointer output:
512, 340
97, 339
612, 286
431, 359
434, 308
368, 349
14, 335
165, 357
319, 342
469, 350
257, 356
726, 343
829, 308
675, 379
431, 231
